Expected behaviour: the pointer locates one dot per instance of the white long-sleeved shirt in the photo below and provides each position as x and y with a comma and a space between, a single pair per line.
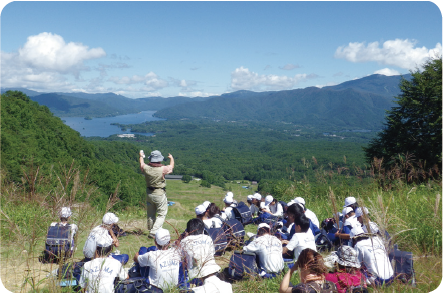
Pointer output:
269, 250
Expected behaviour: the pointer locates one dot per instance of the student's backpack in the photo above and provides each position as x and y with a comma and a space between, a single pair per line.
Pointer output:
234, 230
242, 213
135, 285
242, 265
322, 242
219, 238
58, 242
70, 275
403, 269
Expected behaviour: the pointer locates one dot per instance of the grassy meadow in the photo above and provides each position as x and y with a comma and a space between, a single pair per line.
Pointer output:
412, 214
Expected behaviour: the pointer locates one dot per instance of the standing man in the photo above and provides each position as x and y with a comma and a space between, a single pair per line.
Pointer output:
156, 199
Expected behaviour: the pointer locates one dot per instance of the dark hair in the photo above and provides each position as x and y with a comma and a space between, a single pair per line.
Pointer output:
104, 251
263, 230
195, 226
311, 261
63, 219
213, 210
250, 202
354, 206
347, 269
303, 222
295, 210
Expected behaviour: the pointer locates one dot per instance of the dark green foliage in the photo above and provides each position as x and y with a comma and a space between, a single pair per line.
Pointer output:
414, 127
186, 178
205, 183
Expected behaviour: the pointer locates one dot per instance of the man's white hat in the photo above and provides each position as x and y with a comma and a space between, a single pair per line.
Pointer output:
65, 212
200, 210
299, 200
262, 225
356, 231
349, 201
228, 198
250, 197
163, 236
361, 211
268, 200
257, 196
346, 210
206, 204
110, 218
104, 240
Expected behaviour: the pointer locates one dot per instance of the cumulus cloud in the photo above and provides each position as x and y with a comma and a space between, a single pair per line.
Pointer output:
151, 80
387, 72
400, 53
196, 93
243, 78
289, 67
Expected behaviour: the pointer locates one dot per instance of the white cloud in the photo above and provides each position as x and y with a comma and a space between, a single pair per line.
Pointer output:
387, 72
242, 78
400, 53
196, 93
151, 80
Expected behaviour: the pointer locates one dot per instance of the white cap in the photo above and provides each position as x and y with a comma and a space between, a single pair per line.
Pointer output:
257, 196
110, 218
250, 197
163, 236
262, 225
206, 204
361, 211
65, 212
356, 231
268, 200
346, 210
291, 203
200, 210
299, 200
301, 205
349, 201
228, 198
104, 240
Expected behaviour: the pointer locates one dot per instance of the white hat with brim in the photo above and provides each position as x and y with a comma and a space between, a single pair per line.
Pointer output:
268, 200
347, 256
65, 212
206, 204
249, 197
263, 225
346, 210
228, 198
200, 210
299, 200
104, 240
349, 201
110, 218
162, 237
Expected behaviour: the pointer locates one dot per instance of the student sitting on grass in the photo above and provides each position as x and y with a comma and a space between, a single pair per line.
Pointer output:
253, 208
350, 222
314, 229
268, 249
347, 275
164, 263
98, 274
103, 231
229, 204
198, 250
373, 256
303, 237
312, 275
310, 214
214, 217
273, 207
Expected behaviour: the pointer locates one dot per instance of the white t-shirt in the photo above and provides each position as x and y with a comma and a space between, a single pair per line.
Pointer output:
164, 267
209, 222
301, 241
269, 250
310, 215
90, 245
214, 285
373, 227
229, 212
372, 252
276, 209
352, 221
98, 275
199, 254
74, 229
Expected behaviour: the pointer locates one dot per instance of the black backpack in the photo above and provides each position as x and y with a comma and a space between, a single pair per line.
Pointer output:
135, 285
322, 242
58, 242
219, 238
403, 269
70, 275
234, 230
242, 213
242, 265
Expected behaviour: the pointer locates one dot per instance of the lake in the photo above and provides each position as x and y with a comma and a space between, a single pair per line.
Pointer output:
101, 126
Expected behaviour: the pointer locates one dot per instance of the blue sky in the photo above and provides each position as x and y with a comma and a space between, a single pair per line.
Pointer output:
141, 49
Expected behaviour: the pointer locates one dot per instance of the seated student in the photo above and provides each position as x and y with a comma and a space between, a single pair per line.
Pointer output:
98, 274
201, 212
314, 229
65, 214
351, 202
103, 231
372, 254
362, 212
253, 208
229, 204
303, 237
293, 210
310, 214
165, 267
257, 199
347, 274
312, 274
349, 223
214, 219
268, 250
198, 250
273, 207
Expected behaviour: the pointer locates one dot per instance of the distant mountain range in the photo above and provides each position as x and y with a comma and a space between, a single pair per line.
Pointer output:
359, 103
